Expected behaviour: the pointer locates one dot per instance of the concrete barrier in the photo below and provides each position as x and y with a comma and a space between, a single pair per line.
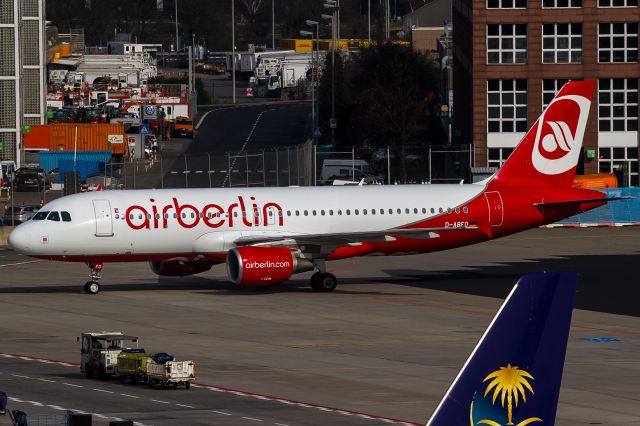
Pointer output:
4, 233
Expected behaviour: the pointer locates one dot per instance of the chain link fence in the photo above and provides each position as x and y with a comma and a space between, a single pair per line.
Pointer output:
281, 166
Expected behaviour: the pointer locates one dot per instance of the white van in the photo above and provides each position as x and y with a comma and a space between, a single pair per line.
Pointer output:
354, 170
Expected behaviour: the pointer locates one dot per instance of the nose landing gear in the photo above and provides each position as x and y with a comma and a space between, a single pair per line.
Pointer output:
92, 286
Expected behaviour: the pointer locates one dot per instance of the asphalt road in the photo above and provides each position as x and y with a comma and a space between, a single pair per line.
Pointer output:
387, 343
226, 134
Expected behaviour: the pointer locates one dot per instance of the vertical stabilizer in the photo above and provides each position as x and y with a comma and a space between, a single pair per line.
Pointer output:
549, 152
513, 375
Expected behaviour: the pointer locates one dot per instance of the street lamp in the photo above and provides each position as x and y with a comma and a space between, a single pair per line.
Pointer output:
177, 40
233, 48
313, 83
314, 74
332, 5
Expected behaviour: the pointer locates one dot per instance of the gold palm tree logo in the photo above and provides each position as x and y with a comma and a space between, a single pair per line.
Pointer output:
511, 383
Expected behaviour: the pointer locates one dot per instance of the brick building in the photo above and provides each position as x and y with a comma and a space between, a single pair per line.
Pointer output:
511, 56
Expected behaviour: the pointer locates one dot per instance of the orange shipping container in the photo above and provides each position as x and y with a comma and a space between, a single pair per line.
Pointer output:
37, 138
91, 137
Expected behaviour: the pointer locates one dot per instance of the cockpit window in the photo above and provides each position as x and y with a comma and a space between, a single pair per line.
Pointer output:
66, 217
54, 216
40, 215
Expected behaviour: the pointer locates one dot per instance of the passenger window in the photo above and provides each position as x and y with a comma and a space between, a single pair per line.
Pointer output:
356, 211
193, 215
415, 211
184, 215
322, 212
465, 210
348, 212
175, 215
149, 215
244, 214
364, 211
235, 214
279, 213
314, 212
270, 213
306, 213
406, 211
399, 211
373, 211
433, 210
339, 212
440, 209
140, 216
288, 212
158, 215
448, 209
458, 210
297, 212
330, 212
66, 217
424, 210
54, 216
390, 211
381, 211
42, 215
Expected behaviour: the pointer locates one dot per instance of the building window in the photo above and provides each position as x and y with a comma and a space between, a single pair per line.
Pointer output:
561, 3
620, 160
617, 3
507, 43
561, 43
618, 42
497, 156
506, 106
506, 4
618, 104
550, 87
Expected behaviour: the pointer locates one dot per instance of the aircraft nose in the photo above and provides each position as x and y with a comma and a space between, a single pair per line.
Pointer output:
19, 239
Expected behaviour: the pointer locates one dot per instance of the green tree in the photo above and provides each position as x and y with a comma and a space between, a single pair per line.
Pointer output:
393, 89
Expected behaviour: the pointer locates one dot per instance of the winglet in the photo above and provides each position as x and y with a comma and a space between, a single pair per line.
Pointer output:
513, 375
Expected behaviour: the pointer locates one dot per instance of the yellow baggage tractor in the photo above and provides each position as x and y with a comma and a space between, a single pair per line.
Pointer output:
132, 365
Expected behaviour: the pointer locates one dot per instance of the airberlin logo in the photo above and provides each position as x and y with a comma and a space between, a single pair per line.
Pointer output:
267, 264
211, 215
559, 135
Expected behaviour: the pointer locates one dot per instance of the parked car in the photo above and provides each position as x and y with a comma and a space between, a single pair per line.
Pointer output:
31, 179
19, 214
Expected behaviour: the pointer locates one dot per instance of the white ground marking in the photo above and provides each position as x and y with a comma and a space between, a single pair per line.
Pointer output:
222, 412
252, 418
129, 396
161, 402
102, 390
185, 406
72, 385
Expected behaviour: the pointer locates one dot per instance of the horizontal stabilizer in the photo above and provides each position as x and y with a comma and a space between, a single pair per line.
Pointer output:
583, 201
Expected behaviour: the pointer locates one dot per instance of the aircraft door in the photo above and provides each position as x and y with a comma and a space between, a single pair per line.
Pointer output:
271, 215
104, 224
496, 209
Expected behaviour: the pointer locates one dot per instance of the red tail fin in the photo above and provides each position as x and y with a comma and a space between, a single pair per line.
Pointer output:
549, 152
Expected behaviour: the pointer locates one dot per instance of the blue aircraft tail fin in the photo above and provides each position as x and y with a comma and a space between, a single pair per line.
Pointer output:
513, 375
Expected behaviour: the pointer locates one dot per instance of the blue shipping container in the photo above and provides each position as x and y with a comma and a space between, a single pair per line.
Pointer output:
87, 162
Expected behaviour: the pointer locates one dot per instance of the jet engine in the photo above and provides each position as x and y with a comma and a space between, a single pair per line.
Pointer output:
262, 266
180, 268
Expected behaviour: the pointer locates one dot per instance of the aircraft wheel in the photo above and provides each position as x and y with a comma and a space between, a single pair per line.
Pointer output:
151, 383
325, 283
92, 287
315, 281
187, 385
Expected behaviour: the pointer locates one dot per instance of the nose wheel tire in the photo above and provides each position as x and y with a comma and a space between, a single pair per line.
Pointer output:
92, 287
323, 282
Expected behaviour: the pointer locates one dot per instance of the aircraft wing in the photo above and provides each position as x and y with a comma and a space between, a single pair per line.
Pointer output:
344, 238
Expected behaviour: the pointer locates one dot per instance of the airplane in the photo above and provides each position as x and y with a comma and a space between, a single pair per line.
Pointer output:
513, 375
265, 235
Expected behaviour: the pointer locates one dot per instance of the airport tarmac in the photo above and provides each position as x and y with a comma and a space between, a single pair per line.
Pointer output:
381, 349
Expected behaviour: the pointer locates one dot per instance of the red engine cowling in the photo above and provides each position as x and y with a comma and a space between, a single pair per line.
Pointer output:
180, 268
262, 266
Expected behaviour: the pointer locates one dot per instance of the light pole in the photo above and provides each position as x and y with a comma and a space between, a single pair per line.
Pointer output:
369, 21
313, 82
315, 73
332, 5
233, 48
177, 39
273, 24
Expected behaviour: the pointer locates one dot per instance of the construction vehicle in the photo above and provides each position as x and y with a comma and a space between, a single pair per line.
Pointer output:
99, 352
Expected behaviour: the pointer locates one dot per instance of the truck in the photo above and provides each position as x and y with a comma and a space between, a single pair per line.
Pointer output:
99, 352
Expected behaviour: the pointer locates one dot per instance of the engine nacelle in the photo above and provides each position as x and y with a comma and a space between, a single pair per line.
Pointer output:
180, 268
262, 266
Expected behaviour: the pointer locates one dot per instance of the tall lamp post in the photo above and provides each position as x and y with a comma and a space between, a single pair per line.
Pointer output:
273, 24
332, 5
233, 48
177, 39
315, 73
304, 33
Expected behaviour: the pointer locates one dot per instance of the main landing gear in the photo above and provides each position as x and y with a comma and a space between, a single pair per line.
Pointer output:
322, 281
92, 286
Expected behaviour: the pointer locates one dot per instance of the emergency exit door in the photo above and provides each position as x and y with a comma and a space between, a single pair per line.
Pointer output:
104, 224
496, 209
